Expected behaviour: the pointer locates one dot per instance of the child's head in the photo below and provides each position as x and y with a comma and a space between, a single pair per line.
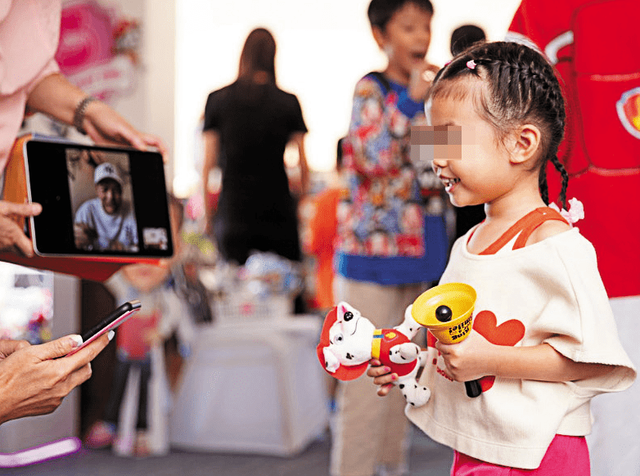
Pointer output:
402, 29
517, 86
464, 36
381, 11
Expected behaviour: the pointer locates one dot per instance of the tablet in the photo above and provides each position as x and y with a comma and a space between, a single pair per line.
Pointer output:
97, 201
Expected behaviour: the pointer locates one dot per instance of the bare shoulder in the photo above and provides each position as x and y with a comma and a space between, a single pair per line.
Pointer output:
547, 230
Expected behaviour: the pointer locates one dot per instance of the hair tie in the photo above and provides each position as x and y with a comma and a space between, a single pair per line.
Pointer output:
575, 212
471, 64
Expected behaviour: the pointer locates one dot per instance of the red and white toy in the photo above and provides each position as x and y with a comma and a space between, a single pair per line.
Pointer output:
348, 341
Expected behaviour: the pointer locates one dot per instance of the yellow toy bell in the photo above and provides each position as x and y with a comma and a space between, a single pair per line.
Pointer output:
447, 311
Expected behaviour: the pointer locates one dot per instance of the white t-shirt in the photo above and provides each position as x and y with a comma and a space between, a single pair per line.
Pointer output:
554, 290
120, 227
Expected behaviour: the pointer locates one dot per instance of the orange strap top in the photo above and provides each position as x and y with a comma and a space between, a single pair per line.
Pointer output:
524, 227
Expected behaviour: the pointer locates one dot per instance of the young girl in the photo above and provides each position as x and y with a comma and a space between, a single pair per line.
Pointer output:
544, 340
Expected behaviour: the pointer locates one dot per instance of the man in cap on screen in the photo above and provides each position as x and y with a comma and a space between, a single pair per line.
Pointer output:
106, 222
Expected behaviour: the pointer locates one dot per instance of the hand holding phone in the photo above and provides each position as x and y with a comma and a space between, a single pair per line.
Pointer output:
110, 322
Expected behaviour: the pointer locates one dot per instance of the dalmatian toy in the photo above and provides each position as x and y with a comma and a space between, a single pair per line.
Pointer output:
348, 341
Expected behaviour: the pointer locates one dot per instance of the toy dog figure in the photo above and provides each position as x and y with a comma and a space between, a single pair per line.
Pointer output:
349, 340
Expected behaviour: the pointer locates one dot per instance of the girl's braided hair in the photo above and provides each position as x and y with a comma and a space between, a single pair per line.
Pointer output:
521, 88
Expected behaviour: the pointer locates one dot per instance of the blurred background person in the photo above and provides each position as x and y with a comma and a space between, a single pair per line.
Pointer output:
392, 242
140, 348
247, 126
594, 48
465, 36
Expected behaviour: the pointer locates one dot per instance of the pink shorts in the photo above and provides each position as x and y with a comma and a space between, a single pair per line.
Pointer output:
565, 455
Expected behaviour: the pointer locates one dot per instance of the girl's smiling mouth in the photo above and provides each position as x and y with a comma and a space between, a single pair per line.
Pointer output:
449, 182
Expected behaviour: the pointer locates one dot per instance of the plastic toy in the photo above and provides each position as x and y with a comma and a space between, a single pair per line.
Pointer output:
446, 310
348, 341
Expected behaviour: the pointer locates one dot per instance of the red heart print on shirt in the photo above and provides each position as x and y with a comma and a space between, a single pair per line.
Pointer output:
508, 333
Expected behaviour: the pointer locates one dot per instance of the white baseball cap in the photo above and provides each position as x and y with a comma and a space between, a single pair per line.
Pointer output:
107, 170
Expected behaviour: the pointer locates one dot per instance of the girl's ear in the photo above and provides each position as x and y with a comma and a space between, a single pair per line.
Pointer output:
526, 142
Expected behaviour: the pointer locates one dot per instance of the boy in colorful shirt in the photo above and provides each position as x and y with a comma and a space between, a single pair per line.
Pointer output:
391, 231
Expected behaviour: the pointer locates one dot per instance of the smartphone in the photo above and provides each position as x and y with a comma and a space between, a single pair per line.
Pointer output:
103, 202
110, 322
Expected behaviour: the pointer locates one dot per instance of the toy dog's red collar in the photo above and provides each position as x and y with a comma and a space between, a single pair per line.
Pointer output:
378, 335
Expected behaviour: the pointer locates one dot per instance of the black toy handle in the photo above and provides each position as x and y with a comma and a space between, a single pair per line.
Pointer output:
473, 388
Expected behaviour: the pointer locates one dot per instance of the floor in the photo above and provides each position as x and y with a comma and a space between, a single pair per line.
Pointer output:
427, 459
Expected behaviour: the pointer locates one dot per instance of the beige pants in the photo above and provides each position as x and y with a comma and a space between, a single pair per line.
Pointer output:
369, 430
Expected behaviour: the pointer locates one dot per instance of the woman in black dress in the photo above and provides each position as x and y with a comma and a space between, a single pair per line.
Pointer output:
247, 126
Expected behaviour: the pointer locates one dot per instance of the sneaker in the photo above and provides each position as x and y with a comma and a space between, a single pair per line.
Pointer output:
100, 435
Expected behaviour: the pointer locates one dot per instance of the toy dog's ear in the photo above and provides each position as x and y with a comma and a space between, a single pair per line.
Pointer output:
342, 308
407, 312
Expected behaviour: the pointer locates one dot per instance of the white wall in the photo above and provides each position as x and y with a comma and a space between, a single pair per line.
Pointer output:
159, 66
323, 49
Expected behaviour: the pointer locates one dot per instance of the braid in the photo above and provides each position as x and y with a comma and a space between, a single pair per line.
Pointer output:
542, 185
565, 180
553, 104
522, 88
546, 87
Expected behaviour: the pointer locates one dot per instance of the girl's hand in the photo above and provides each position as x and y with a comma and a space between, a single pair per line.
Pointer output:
382, 376
470, 359
421, 81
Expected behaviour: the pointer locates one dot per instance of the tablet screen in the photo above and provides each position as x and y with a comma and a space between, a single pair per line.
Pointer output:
97, 201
